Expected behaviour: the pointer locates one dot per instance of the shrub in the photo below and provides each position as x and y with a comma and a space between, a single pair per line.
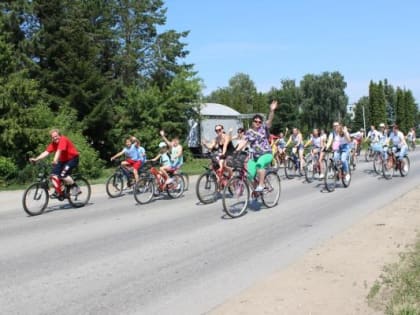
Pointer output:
8, 169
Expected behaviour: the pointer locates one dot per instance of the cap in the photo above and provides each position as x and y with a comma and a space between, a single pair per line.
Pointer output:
162, 145
381, 125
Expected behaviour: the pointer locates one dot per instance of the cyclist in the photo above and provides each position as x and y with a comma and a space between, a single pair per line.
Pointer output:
296, 139
411, 137
258, 139
66, 158
281, 148
317, 143
399, 145
132, 158
222, 144
340, 139
165, 161
140, 149
177, 158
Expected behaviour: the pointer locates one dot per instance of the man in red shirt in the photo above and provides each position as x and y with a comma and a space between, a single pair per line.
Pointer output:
66, 158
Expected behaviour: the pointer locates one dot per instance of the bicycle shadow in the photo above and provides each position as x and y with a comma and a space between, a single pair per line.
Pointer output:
60, 207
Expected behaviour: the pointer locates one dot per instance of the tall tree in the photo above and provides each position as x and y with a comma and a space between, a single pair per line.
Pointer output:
323, 99
377, 103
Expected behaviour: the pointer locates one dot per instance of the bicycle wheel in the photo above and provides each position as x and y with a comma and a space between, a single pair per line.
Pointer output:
206, 188
176, 188
235, 197
346, 181
309, 170
387, 168
404, 166
115, 185
144, 190
272, 189
35, 199
289, 169
79, 195
330, 176
186, 180
377, 163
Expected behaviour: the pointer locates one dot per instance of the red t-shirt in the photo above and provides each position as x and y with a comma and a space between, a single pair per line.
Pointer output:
68, 150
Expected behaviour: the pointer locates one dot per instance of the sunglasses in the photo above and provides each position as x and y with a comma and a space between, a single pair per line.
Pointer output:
218, 129
257, 121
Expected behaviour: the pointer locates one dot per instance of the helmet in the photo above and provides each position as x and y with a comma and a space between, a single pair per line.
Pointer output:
381, 125
162, 145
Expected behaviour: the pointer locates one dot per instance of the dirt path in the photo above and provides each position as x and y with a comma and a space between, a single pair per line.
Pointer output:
336, 277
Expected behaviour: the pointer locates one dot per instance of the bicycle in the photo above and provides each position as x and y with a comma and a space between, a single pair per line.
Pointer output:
239, 189
313, 166
212, 181
151, 183
36, 196
334, 173
292, 165
121, 179
392, 164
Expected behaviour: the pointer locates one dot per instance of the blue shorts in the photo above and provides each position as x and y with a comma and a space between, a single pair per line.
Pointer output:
63, 169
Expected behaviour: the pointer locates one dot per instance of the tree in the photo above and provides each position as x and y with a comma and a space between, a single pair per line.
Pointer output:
241, 94
377, 103
323, 99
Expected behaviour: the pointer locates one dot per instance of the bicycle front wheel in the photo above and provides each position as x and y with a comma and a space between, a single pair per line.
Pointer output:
272, 189
330, 177
206, 188
235, 197
309, 171
289, 169
79, 195
377, 163
144, 190
176, 188
404, 166
114, 185
35, 199
388, 168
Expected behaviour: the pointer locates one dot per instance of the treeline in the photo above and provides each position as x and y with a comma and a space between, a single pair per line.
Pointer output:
100, 70
319, 100
96, 69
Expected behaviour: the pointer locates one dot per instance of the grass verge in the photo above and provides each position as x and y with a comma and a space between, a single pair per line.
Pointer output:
397, 292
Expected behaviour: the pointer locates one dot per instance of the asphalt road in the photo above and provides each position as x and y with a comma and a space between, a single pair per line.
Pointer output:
170, 256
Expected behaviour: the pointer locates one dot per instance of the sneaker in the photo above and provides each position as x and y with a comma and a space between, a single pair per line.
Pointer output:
321, 176
347, 177
169, 181
259, 189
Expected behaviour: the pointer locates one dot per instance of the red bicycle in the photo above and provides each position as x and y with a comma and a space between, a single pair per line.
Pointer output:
152, 183
212, 181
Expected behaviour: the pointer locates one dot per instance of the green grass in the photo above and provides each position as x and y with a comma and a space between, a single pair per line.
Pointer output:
397, 292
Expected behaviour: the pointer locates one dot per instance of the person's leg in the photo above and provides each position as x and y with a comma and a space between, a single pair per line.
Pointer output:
55, 178
344, 160
252, 169
262, 163
403, 152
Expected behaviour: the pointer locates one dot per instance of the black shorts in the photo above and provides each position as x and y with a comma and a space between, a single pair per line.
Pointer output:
63, 169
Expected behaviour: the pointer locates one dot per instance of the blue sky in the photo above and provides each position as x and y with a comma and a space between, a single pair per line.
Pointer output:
272, 40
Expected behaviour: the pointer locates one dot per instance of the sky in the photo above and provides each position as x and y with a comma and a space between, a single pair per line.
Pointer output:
271, 40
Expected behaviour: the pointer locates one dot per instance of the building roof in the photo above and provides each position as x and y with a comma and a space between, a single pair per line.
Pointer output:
214, 109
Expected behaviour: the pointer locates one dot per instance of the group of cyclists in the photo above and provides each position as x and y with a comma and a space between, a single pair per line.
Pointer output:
262, 146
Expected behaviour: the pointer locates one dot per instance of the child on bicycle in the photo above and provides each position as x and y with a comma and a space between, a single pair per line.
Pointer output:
165, 161
132, 157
